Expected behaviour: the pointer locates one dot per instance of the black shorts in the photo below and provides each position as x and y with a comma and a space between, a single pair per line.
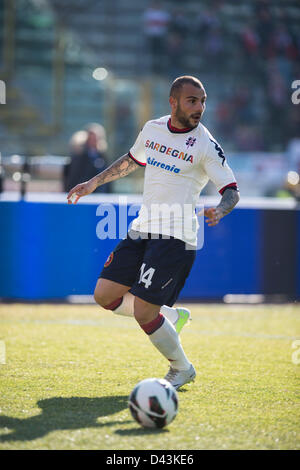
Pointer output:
154, 269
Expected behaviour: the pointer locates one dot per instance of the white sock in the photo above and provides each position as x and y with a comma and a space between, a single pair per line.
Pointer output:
167, 341
170, 313
126, 308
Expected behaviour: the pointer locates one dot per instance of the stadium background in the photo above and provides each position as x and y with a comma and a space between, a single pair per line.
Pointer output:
69, 63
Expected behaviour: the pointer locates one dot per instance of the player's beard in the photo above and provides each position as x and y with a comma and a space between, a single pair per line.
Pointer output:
184, 119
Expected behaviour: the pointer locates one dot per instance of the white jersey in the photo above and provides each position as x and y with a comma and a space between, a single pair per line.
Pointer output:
178, 164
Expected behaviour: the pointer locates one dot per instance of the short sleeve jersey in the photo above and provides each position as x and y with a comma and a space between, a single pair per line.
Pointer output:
178, 164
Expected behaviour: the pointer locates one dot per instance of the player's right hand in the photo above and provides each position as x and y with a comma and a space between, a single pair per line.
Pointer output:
213, 215
82, 189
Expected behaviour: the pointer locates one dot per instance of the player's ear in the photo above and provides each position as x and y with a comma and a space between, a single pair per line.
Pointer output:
173, 103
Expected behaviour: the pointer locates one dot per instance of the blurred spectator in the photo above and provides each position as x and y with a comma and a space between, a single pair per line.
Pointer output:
88, 157
156, 23
236, 119
278, 101
214, 49
281, 43
248, 138
250, 42
206, 29
264, 29
224, 117
179, 29
175, 53
179, 24
242, 103
206, 21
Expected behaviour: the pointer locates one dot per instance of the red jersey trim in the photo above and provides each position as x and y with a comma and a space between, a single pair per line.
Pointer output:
175, 130
231, 185
136, 161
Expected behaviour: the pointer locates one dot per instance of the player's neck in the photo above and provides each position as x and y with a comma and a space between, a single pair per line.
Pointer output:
175, 126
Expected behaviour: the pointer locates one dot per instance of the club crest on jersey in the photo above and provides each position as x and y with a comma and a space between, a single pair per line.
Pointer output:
109, 259
190, 141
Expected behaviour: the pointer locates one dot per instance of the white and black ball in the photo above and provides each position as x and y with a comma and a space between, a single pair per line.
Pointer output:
153, 403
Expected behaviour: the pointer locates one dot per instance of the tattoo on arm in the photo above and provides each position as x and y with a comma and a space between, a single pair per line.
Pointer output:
229, 200
120, 168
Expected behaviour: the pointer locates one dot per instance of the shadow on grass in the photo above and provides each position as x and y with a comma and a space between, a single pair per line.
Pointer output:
140, 431
63, 414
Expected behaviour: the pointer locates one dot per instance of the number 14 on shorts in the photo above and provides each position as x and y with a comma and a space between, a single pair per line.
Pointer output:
146, 276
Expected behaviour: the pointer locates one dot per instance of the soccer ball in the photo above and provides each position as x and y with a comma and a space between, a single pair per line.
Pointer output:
153, 403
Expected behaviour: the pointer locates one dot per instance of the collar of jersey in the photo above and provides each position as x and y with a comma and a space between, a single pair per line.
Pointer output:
178, 131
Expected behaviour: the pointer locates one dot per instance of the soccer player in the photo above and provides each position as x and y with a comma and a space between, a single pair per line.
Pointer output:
145, 273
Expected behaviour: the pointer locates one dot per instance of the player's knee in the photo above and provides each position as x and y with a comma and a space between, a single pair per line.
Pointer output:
106, 301
101, 298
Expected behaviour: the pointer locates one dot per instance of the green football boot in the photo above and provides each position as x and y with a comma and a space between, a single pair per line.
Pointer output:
184, 318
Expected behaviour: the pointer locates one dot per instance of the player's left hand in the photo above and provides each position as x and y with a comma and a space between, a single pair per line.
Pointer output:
213, 216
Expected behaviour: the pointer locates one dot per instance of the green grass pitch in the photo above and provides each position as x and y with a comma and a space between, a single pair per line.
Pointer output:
66, 373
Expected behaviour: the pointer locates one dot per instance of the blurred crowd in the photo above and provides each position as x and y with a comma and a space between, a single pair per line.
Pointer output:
259, 55
88, 157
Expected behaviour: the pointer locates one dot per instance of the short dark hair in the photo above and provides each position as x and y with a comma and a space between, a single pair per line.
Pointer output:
180, 81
